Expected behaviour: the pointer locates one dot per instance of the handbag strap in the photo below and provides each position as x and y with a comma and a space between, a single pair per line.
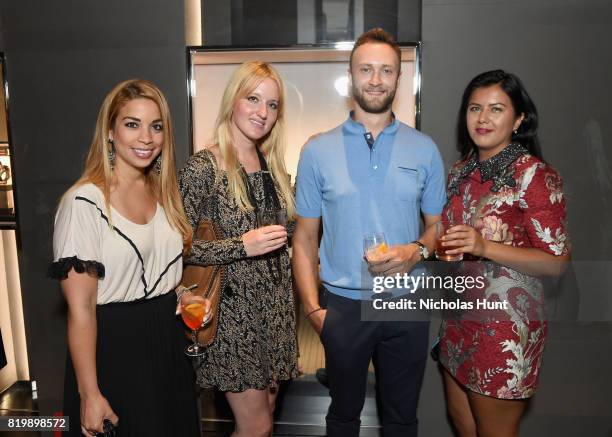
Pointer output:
270, 194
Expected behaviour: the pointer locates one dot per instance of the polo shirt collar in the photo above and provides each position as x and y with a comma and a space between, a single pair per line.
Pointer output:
352, 126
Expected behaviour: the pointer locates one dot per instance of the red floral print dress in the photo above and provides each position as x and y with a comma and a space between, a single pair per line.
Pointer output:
516, 199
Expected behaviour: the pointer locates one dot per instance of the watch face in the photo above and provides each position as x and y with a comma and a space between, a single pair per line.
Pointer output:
422, 249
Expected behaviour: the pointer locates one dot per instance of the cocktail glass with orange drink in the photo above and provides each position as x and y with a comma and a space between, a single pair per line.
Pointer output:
195, 316
374, 245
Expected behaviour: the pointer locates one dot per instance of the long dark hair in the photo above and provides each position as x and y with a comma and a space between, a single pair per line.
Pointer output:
527, 134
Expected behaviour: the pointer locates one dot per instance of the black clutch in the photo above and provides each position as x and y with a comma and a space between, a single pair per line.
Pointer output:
110, 430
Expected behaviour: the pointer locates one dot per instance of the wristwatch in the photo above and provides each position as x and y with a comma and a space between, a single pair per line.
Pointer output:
422, 249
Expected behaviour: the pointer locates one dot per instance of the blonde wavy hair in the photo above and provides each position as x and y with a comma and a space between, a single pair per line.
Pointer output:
245, 79
164, 185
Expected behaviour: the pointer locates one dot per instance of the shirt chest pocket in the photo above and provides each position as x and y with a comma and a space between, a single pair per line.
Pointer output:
407, 183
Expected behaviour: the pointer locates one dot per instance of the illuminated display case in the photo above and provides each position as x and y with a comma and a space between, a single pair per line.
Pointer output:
7, 204
317, 100
13, 350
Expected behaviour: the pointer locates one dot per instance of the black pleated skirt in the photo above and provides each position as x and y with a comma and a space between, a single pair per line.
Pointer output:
142, 370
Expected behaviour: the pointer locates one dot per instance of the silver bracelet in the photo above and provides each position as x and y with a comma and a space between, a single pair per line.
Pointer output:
181, 290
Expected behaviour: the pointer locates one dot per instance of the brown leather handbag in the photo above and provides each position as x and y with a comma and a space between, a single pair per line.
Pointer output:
210, 282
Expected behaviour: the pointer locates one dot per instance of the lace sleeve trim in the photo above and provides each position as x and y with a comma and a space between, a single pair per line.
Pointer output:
59, 269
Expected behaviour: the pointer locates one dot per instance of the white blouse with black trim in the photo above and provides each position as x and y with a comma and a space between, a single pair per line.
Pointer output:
132, 261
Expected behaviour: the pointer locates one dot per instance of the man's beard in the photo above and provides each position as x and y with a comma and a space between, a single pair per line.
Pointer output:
373, 107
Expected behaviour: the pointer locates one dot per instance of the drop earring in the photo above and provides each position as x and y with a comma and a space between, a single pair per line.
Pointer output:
158, 164
111, 153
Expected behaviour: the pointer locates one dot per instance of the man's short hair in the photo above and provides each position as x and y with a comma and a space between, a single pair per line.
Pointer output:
377, 35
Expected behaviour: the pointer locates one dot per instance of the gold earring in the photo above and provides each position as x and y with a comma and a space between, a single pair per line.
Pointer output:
111, 153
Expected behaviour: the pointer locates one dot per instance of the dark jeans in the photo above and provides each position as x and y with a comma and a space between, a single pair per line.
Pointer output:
399, 350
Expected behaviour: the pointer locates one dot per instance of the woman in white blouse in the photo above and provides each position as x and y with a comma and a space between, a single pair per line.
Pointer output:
120, 233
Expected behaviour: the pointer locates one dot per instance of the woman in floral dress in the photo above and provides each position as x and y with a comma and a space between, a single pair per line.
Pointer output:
508, 211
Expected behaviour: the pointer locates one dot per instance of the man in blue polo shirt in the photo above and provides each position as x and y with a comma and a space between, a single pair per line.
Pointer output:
370, 174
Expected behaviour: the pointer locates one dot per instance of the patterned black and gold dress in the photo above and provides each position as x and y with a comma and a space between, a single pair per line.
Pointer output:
256, 343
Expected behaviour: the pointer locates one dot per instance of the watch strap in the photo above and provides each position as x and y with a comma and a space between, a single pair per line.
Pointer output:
422, 249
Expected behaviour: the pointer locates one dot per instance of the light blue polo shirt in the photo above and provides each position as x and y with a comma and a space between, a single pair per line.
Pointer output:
358, 189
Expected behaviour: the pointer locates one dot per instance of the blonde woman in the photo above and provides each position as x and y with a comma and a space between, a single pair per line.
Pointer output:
230, 183
120, 233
